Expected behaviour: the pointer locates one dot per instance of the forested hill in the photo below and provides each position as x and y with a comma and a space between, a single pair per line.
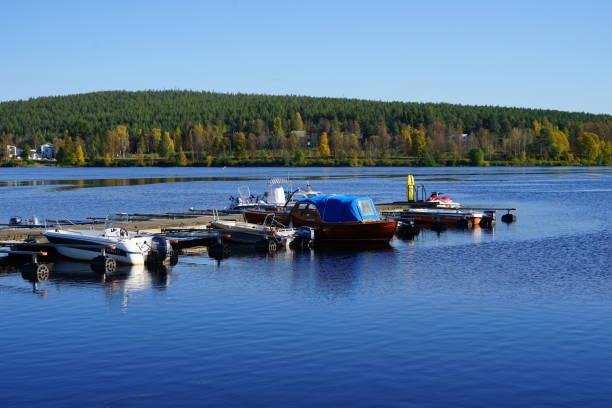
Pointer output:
206, 125
94, 113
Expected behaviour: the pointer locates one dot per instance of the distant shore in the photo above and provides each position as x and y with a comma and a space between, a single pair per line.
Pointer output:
317, 163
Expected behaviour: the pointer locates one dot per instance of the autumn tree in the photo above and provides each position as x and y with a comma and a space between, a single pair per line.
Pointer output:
324, 150
297, 123
240, 145
181, 158
406, 133
278, 134
156, 136
589, 146
123, 139
166, 146
177, 138
79, 155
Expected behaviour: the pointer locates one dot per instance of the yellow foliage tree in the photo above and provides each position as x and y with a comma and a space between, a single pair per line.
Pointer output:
324, 145
79, 155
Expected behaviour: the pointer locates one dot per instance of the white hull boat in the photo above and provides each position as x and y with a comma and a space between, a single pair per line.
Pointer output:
118, 244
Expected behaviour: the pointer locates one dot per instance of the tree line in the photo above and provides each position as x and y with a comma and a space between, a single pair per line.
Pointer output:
205, 128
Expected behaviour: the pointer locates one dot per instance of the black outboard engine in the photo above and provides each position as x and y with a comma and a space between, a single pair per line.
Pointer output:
161, 250
304, 238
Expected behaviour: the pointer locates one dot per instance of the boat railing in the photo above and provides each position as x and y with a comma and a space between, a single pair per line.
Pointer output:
270, 221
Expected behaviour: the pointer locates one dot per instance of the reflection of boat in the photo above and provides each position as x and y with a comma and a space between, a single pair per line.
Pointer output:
341, 218
123, 247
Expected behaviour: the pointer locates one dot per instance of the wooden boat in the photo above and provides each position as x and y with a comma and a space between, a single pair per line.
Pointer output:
258, 215
337, 218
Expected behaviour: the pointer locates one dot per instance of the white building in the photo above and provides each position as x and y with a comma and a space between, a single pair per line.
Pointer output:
13, 151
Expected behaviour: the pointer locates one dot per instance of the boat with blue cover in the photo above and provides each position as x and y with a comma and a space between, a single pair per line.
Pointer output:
342, 218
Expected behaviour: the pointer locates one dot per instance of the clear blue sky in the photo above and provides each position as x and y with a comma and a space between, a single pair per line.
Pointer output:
549, 54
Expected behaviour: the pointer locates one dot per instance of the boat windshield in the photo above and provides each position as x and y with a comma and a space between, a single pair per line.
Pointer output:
366, 208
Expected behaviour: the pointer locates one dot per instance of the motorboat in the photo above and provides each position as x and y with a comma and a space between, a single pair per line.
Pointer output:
280, 193
342, 218
119, 244
239, 232
258, 215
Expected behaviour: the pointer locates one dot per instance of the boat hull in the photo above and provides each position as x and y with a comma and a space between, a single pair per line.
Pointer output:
127, 253
364, 232
258, 216
250, 233
360, 232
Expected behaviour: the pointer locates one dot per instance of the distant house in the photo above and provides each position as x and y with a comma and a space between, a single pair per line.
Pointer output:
13, 151
302, 137
33, 155
46, 151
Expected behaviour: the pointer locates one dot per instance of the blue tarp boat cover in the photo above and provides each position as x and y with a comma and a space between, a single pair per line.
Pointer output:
341, 208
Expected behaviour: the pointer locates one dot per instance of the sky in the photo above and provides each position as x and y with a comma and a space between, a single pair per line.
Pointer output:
541, 54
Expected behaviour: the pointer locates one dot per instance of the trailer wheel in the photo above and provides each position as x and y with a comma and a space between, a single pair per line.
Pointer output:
42, 272
103, 264
35, 272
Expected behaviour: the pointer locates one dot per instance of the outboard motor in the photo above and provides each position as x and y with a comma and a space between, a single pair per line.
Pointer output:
304, 238
306, 233
161, 250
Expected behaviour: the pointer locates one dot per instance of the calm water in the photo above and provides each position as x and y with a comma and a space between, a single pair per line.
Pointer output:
518, 316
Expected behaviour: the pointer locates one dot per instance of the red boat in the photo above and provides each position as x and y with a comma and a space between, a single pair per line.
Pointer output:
335, 218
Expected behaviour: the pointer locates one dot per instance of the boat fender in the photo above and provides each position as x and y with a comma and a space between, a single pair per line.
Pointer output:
219, 251
508, 218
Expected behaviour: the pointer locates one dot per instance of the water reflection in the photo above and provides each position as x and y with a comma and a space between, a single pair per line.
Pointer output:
118, 286
331, 273
73, 184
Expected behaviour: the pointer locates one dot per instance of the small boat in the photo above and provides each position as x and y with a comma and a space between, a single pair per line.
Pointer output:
442, 201
118, 244
258, 215
239, 232
280, 194
342, 219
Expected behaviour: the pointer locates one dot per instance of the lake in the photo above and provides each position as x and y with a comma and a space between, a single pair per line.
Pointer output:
520, 315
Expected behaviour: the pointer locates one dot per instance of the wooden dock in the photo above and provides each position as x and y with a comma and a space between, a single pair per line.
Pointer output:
152, 225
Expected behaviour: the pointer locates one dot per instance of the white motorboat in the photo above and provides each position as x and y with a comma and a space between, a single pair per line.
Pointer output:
118, 244
280, 193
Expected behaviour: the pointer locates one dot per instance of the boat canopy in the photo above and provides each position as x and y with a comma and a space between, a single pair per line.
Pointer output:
341, 208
